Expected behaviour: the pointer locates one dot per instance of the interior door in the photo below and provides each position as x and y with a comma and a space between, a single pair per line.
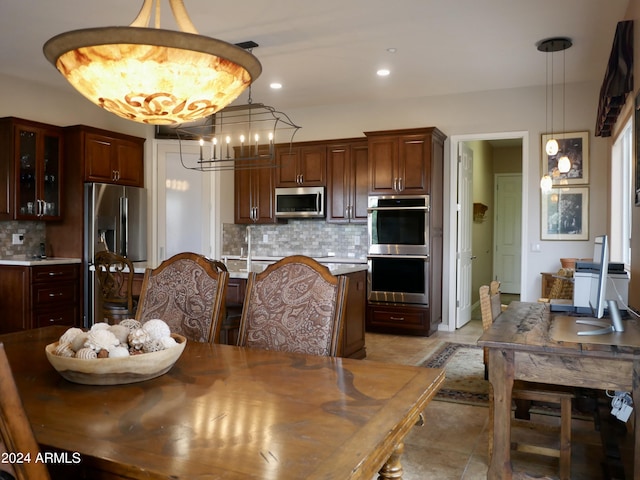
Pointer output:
464, 256
507, 233
183, 203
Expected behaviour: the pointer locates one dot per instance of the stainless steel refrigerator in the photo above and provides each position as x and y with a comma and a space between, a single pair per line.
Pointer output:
116, 220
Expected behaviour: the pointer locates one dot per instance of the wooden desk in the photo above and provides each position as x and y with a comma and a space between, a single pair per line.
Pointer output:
226, 412
521, 347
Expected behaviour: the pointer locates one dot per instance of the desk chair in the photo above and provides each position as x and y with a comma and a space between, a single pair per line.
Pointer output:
16, 435
524, 393
187, 291
115, 281
295, 305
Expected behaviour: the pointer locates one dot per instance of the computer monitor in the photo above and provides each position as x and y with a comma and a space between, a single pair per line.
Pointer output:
598, 293
599, 282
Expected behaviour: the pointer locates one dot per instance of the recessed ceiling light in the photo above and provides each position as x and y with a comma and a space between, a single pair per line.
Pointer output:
383, 72
276, 85
392, 50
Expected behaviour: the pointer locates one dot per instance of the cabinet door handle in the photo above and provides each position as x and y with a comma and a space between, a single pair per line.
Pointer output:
400, 184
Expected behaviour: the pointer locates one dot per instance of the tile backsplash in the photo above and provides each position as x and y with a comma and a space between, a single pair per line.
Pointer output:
34, 234
315, 238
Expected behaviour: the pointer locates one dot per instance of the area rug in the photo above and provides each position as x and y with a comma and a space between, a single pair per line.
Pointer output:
464, 374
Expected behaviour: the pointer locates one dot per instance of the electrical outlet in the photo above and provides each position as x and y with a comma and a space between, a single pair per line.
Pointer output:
265, 238
17, 239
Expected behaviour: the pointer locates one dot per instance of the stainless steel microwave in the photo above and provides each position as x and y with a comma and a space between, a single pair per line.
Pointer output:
300, 202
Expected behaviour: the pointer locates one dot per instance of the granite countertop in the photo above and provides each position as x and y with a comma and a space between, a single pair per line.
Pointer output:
28, 261
337, 266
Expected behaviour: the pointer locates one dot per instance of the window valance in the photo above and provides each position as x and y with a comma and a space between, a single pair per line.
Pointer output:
618, 79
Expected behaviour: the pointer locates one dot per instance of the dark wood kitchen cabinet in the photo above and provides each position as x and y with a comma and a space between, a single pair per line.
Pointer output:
31, 161
109, 157
347, 181
405, 162
353, 345
301, 165
396, 318
254, 196
38, 296
400, 160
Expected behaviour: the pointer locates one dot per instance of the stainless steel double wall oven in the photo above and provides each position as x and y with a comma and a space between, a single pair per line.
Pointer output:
399, 249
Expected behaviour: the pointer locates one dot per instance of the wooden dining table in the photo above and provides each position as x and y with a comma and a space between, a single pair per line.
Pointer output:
224, 412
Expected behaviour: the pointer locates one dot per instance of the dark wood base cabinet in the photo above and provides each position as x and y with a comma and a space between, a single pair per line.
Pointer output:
400, 319
38, 296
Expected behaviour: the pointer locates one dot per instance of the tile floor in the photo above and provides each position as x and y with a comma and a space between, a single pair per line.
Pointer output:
453, 442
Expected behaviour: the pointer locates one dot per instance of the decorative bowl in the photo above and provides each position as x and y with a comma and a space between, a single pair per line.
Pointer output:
116, 371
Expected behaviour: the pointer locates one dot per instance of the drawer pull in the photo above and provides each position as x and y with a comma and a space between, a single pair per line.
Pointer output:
59, 294
54, 274
54, 320
400, 319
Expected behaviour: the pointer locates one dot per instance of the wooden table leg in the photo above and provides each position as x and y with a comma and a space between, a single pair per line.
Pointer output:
392, 469
501, 373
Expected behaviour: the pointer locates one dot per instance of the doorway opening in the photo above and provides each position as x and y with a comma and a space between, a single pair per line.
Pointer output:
487, 244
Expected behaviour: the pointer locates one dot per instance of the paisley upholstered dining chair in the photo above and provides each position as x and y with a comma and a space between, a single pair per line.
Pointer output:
16, 435
188, 292
295, 305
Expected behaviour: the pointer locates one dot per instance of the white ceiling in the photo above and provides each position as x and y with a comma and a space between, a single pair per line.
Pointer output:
327, 51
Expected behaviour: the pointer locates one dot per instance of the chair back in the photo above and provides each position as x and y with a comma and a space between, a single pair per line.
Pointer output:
295, 305
115, 280
562, 287
16, 435
490, 304
187, 291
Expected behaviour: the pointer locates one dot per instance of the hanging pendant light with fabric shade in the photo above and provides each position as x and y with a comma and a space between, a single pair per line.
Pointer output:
150, 75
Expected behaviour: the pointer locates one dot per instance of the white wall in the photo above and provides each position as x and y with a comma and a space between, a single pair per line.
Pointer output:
468, 114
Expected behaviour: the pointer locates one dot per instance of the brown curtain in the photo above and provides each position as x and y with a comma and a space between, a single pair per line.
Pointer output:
618, 79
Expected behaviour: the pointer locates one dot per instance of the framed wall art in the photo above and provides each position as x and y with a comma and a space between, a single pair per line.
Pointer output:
575, 145
565, 214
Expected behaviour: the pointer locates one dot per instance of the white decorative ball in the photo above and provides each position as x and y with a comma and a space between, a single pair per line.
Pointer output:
156, 328
118, 352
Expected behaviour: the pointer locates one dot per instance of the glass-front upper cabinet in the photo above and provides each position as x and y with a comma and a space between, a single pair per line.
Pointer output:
38, 166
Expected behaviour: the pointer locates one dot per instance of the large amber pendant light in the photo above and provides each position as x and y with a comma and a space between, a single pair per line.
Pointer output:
151, 75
